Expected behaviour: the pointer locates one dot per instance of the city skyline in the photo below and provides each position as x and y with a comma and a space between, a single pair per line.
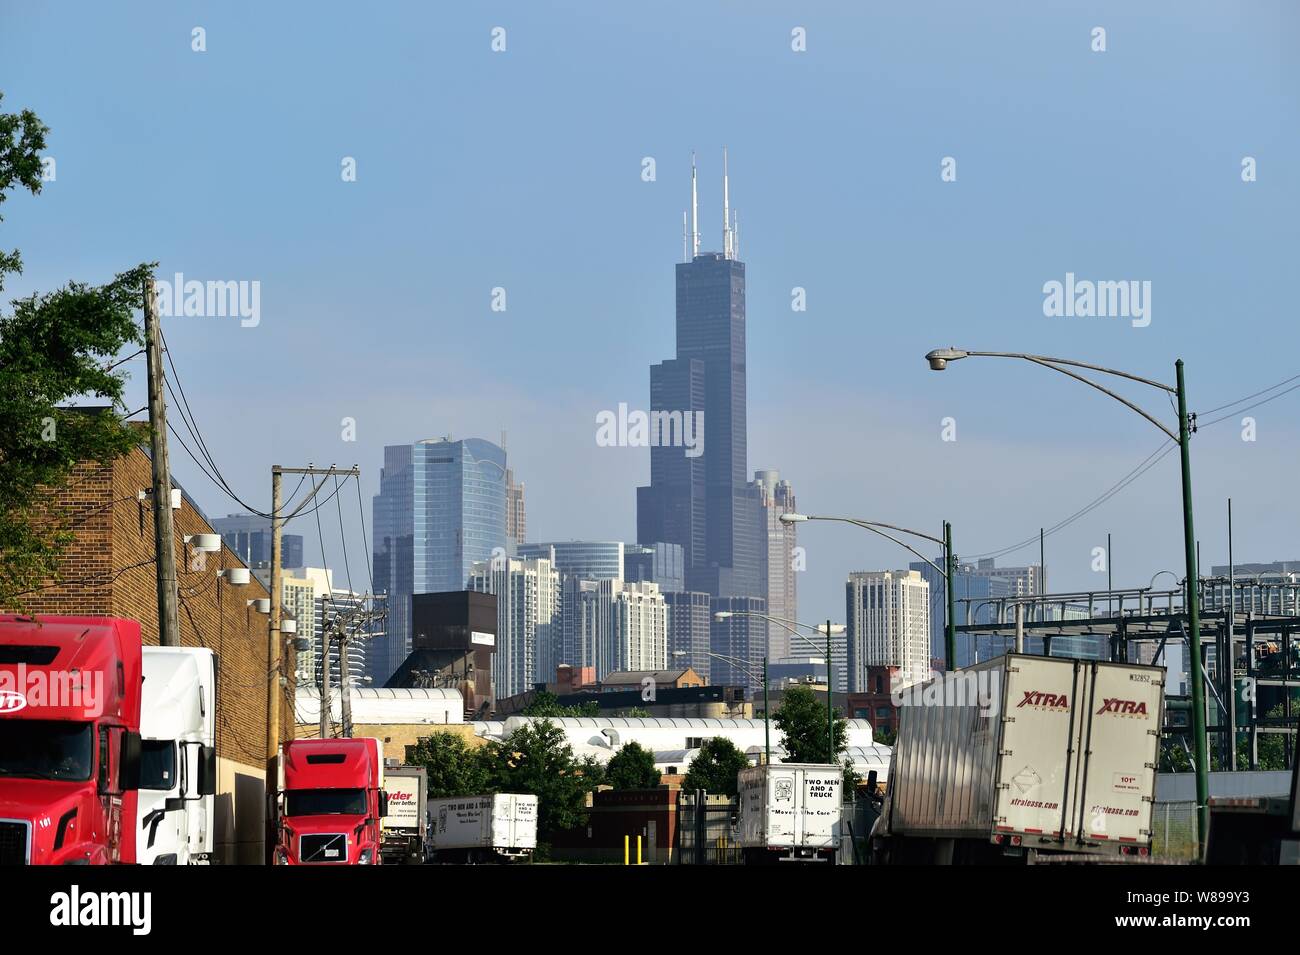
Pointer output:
892, 259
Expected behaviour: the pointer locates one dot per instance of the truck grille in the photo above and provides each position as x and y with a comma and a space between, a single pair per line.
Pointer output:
323, 847
13, 843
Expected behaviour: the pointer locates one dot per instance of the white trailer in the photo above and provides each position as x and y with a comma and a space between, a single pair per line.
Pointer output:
403, 827
178, 756
496, 828
789, 812
1024, 755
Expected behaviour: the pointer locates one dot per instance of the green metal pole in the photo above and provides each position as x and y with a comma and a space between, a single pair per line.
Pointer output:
1194, 625
950, 631
830, 718
767, 715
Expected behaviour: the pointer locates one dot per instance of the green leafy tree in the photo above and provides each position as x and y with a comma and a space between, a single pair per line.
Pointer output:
715, 767
802, 722
537, 759
632, 767
54, 347
453, 767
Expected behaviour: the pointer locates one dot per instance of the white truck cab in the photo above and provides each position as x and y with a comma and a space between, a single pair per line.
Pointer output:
179, 764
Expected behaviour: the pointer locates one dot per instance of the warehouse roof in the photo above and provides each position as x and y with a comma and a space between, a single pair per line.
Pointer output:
637, 677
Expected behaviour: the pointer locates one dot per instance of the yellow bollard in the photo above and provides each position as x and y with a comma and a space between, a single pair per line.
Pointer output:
626, 860
638, 850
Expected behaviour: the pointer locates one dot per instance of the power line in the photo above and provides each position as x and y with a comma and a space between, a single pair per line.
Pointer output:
1146, 465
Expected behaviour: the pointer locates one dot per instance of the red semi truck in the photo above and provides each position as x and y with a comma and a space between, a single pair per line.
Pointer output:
70, 691
330, 802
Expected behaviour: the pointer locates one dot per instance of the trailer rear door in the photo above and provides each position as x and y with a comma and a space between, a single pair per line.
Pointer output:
1039, 744
1122, 738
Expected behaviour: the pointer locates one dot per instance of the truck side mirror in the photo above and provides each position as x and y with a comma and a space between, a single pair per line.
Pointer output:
872, 780
207, 770
383, 803
128, 762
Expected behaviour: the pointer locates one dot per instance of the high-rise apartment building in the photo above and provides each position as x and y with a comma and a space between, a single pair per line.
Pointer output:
528, 619
441, 507
776, 547
888, 614
689, 631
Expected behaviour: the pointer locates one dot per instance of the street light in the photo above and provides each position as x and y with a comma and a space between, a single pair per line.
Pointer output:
740, 664
938, 360
791, 626
947, 571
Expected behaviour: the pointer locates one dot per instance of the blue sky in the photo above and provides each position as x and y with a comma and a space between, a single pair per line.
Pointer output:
522, 170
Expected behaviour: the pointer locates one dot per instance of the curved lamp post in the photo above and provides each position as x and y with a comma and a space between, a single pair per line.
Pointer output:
792, 626
939, 359
946, 571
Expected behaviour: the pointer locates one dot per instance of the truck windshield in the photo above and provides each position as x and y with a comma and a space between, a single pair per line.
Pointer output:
325, 802
46, 749
158, 765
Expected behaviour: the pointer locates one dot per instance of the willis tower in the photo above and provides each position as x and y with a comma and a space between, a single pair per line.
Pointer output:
702, 501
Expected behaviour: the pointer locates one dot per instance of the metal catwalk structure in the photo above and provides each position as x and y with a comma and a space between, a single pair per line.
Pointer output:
1260, 634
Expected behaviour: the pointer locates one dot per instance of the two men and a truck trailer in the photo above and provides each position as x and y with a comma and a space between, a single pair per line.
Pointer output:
501, 827
789, 812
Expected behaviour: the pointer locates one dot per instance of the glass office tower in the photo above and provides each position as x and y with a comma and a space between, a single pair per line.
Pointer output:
441, 507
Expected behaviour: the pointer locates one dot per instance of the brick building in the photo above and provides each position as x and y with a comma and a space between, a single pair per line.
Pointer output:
109, 570
875, 703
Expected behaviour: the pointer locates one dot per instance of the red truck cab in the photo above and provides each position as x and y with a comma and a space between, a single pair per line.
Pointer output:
70, 690
330, 803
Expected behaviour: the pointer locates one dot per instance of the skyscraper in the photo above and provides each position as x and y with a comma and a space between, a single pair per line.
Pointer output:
441, 507
249, 536
590, 560
776, 552
888, 625
528, 619
700, 500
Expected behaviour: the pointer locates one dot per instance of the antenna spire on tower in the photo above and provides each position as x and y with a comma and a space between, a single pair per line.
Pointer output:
726, 210
695, 212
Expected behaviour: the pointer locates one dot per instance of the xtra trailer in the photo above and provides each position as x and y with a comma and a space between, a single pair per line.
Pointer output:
1023, 756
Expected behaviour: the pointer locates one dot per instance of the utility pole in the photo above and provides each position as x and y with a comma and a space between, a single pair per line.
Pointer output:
345, 692
830, 717
273, 636
326, 729
169, 632
949, 584
273, 693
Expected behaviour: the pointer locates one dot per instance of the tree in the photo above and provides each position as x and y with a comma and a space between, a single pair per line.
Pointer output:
53, 348
632, 767
453, 767
715, 767
802, 722
537, 759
